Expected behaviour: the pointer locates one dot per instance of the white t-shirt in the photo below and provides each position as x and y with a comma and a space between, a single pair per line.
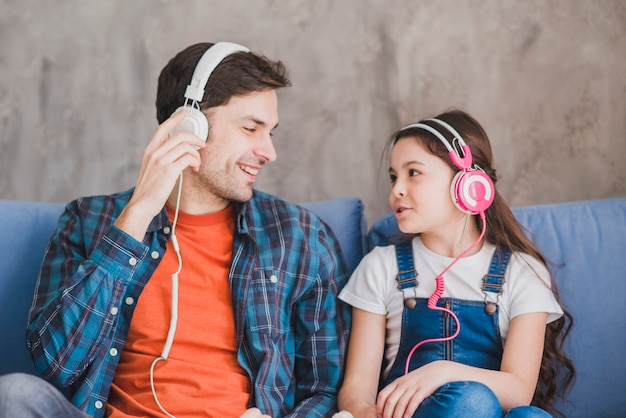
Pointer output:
373, 286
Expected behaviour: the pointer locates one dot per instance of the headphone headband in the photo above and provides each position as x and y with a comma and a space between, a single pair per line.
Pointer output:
433, 131
196, 121
463, 161
211, 59
450, 129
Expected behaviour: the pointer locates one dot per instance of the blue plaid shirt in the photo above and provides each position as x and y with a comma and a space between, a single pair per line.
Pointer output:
291, 332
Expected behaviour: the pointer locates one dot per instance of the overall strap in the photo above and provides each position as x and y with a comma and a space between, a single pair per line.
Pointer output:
407, 275
494, 279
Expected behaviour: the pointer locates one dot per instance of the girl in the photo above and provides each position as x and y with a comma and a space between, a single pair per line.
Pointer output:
465, 316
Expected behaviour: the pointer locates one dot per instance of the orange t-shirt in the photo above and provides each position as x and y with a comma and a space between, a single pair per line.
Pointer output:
201, 376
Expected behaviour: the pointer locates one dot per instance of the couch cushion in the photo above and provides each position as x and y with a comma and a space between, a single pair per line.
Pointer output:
585, 242
345, 217
27, 226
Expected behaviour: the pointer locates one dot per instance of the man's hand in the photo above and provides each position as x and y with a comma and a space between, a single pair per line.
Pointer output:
162, 162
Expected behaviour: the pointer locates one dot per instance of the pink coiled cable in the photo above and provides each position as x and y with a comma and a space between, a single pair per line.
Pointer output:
436, 295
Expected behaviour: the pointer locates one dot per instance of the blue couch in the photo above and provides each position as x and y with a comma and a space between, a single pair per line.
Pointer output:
586, 240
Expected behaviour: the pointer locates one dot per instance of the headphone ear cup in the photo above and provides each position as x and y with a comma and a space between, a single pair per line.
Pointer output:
195, 122
472, 191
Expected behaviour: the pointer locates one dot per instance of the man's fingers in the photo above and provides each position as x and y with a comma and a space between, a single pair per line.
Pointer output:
163, 131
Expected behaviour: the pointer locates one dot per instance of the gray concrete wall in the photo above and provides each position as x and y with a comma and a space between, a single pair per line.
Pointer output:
547, 79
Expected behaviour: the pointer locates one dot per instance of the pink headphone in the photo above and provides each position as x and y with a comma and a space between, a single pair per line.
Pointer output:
472, 190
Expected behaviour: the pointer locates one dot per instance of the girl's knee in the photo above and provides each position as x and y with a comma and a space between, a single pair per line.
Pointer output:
479, 398
527, 412
462, 399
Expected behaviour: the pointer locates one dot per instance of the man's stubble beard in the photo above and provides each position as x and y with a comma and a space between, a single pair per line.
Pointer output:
215, 184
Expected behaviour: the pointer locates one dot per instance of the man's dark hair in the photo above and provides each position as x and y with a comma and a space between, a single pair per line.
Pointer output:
238, 74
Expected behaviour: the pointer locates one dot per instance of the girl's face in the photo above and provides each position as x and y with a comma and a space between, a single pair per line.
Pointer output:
420, 192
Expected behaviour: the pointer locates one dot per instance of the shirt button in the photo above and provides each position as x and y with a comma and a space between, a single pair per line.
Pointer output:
166, 230
129, 300
113, 311
132, 261
273, 278
98, 404
113, 352
154, 255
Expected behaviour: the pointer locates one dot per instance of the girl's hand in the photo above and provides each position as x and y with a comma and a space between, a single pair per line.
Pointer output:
403, 396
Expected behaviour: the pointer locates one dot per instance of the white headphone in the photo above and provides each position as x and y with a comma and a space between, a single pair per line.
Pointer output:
196, 121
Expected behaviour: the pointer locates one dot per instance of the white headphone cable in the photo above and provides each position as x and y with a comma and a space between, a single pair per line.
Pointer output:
174, 314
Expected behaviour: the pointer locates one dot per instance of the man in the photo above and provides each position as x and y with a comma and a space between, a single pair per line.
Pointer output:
201, 297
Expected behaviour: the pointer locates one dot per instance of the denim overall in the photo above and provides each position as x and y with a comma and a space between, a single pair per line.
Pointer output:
478, 344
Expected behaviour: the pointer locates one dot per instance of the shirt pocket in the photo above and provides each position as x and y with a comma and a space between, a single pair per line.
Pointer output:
267, 307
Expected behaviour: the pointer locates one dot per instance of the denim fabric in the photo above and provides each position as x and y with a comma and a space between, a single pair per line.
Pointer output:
27, 396
527, 412
461, 399
471, 399
478, 344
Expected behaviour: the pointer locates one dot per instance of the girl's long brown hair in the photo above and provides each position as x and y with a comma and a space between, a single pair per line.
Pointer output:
505, 232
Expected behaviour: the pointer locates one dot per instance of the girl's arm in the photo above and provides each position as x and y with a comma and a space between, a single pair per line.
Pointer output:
365, 353
514, 384
521, 360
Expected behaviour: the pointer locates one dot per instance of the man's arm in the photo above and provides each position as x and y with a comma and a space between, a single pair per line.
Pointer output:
79, 294
91, 265
322, 326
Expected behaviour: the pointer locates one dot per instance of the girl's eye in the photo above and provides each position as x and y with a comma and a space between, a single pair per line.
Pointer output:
249, 129
392, 178
413, 173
